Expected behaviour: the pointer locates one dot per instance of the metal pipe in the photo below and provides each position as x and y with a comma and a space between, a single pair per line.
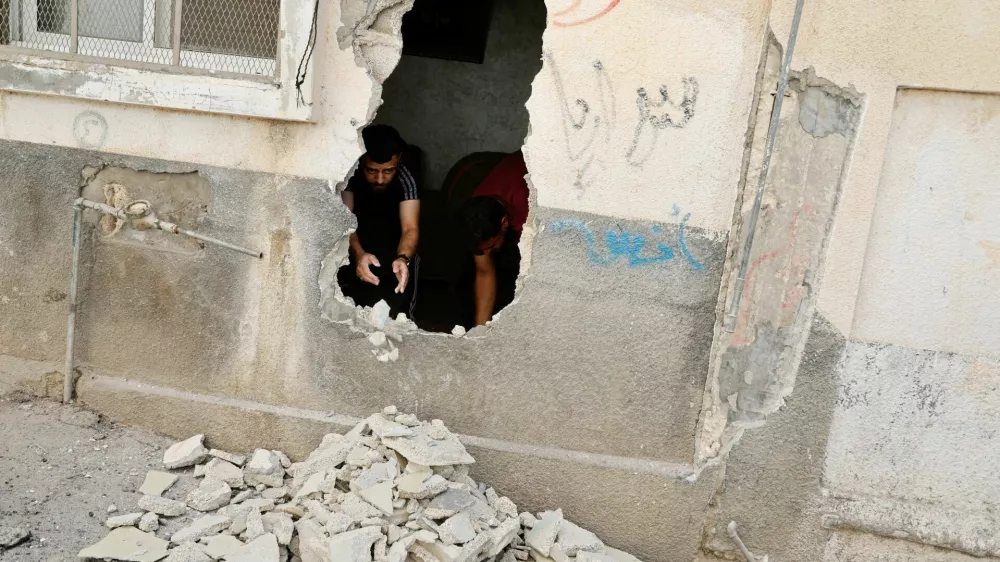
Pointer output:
74, 24
175, 35
141, 216
731, 528
772, 132
71, 322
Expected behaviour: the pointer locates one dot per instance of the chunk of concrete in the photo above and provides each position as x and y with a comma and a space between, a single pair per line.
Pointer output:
452, 500
338, 522
280, 525
236, 459
254, 526
262, 549
204, 526
331, 453
573, 539
472, 549
221, 545
283, 458
384, 427
428, 488
126, 520
162, 506
127, 543
149, 522
312, 484
275, 493
188, 552
357, 509
157, 482
544, 533
412, 482
210, 495
505, 506
314, 544
225, 471
380, 496
503, 535
422, 448
189, 452
354, 546
264, 468
458, 529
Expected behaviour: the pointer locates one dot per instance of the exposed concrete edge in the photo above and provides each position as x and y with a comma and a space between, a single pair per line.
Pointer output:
112, 385
953, 529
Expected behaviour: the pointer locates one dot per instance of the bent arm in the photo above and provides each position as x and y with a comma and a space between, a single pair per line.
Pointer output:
486, 288
409, 220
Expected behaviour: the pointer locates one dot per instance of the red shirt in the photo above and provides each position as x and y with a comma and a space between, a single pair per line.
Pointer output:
506, 182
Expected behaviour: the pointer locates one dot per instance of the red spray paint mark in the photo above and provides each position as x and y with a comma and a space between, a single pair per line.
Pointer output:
576, 4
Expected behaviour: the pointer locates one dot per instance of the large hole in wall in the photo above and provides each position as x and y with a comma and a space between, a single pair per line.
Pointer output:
457, 98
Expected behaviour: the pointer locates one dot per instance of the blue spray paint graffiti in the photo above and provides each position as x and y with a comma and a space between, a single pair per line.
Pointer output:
624, 244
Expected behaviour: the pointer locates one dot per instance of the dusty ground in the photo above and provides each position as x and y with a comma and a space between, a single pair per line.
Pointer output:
60, 469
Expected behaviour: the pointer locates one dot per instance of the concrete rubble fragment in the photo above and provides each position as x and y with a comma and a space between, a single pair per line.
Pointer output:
392, 489
13, 536
189, 452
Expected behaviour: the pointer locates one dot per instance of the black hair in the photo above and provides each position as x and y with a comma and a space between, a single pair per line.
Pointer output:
480, 219
382, 142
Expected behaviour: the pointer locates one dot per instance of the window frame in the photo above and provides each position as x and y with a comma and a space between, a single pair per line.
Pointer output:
89, 75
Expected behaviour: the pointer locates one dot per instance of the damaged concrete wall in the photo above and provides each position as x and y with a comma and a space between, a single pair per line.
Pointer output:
451, 108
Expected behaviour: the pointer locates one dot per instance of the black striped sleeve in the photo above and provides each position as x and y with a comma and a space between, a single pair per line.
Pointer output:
410, 189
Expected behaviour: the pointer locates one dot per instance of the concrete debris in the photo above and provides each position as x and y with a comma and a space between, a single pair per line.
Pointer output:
162, 506
127, 543
12, 536
392, 489
112, 508
126, 520
157, 482
185, 453
238, 460
149, 522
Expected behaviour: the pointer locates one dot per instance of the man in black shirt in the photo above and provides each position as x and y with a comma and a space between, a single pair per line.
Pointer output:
385, 198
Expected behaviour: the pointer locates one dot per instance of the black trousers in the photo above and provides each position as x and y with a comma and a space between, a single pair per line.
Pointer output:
366, 294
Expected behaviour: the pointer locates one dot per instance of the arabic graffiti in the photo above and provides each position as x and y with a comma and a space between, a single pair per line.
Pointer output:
631, 246
581, 12
647, 131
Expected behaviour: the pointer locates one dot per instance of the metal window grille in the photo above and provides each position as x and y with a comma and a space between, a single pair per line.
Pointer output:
239, 36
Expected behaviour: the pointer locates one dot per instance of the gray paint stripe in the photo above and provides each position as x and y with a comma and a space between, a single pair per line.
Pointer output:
629, 464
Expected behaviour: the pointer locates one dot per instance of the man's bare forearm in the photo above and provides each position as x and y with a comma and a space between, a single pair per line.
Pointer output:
486, 294
408, 242
355, 244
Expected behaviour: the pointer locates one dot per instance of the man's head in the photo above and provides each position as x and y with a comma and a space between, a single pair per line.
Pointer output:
484, 222
383, 150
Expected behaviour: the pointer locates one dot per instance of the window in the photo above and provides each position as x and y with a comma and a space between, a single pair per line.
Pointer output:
239, 36
153, 51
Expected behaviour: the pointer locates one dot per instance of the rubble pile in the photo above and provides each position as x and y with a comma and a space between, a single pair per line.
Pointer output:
393, 489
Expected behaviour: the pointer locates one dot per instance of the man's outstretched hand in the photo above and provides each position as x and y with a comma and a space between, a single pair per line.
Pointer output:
364, 271
402, 272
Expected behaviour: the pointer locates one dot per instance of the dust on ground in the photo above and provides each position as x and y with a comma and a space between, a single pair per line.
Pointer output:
60, 469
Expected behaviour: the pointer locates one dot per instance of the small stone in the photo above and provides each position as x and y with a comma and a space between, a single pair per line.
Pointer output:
574, 539
427, 489
126, 520
280, 525
282, 458
275, 493
312, 484
409, 420
491, 496
262, 549
316, 510
242, 496
458, 529
162, 506
210, 495
189, 452
528, 520
264, 468
390, 411
149, 522
543, 534
200, 470
291, 509
505, 506
338, 523
218, 469
112, 508
372, 522
381, 548
202, 527
157, 482
221, 545
254, 526
354, 546
187, 552
238, 460
13, 536
127, 543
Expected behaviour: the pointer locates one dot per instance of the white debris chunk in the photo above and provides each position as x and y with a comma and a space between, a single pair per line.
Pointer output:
503, 536
544, 533
282, 458
528, 520
380, 496
162, 506
280, 525
452, 500
574, 539
262, 549
506, 507
202, 527
472, 549
254, 526
354, 546
221, 545
199, 470
384, 427
427, 489
275, 493
338, 522
264, 468
238, 460
244, 495
458, 529
189, 452
157, 482
356, 508
127, 543
126, 520
312, 484
210, 495
149, 522
218, 469
330, 454
188, 552
423, 448
313, 544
